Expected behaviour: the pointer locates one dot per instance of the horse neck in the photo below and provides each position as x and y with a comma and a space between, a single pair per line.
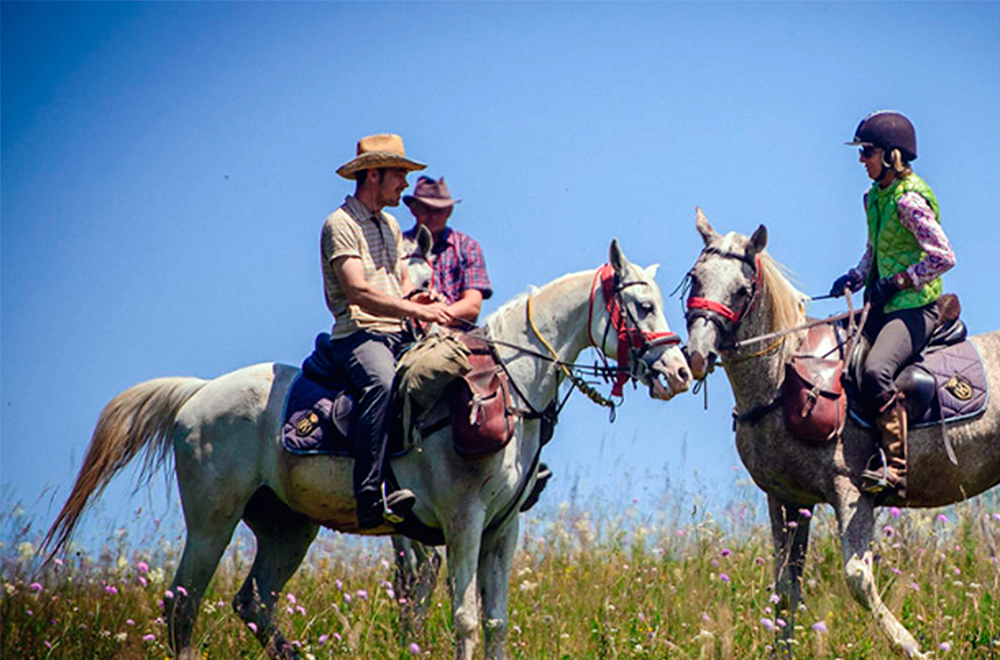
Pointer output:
560, 312
756, 372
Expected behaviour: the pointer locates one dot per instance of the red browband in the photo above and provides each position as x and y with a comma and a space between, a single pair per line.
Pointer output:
627, 339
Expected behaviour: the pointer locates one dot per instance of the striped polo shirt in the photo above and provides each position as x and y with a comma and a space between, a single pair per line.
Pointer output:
354, 231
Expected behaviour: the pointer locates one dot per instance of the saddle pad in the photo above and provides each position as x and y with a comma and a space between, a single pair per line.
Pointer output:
962, 387
316, 419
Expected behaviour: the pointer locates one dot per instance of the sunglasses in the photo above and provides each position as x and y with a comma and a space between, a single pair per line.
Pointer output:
869, 150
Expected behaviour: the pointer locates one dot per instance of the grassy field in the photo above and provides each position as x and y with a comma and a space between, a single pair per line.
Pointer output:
586, 584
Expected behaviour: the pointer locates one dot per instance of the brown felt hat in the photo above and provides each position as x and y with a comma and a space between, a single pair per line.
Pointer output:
433, 193
375, 151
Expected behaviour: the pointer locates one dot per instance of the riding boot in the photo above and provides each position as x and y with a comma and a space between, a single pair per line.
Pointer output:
891, 424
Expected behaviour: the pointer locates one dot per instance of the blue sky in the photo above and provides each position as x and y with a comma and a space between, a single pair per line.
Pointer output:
166, 168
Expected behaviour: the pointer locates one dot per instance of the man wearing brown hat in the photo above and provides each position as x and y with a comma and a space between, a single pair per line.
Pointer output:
365, 287
459, 268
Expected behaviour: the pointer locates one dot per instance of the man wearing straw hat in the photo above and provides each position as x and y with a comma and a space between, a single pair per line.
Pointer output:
365, 287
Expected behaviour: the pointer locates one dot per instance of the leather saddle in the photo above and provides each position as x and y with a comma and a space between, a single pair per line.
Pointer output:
821, 386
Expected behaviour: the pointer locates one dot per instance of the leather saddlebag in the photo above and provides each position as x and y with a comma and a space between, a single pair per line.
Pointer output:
482, 420
815, 402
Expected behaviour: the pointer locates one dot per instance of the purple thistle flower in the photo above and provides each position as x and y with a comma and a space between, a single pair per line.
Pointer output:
337, 636
142, 581
895, 511
129, 622
723, 577
301, 610
945, 646
361, 594
781, 622
291, 598
48, 644
914, 586
819, 627
182, 591
942, 518
36, 587
888, 530
768, 624
805, 513
252, 626
793, 524
111, 589
726, 552
414, 649
149, 637
347, 598
142, 567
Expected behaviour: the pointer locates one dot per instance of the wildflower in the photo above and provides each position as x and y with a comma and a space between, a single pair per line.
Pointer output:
151, 637
759, 561
339, 585
767, 610
792, 525
36, 587
958, 571
723, 577
914, 586
129, 622
48, 644
888, 530
996, 516
819, 627
774, 598
336, 636
414, 649
945, 646
942, 518
781, 622
168, 594
301, 610
767, 624
895, 511
142, 581
111, 589
362, 594
142, 567
805, 513
347, 598
121, 637
252, 626
291, 599
726, 552
182, 591
25, 550
323, 639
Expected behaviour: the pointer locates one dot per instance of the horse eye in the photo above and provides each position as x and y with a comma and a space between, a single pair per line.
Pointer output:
646, 308
743, 291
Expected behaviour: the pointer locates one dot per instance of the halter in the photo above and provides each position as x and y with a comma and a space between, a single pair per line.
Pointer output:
716, 312
632, 341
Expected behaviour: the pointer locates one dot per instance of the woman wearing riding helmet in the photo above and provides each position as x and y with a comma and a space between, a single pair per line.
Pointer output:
906, 254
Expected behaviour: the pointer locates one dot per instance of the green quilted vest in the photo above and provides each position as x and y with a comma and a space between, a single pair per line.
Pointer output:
896, 247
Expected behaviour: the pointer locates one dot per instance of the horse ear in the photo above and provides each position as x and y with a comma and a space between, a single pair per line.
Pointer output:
705, 229
424, 241
651, 271
616, 257
758, 241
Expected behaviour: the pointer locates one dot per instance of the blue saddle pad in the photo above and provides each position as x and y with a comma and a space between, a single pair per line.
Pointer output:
317, 419
961, 387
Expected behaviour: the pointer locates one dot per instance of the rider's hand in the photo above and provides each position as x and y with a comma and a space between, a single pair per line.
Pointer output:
433, 313
882, 292
422, 297
846, 281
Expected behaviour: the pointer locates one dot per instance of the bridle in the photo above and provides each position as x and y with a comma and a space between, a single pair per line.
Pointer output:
633, 342
725, 318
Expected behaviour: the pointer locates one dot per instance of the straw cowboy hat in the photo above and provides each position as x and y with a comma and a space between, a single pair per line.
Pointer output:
375, 151
432, 193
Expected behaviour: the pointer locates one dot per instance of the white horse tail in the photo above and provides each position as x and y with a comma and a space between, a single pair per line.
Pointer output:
140, 419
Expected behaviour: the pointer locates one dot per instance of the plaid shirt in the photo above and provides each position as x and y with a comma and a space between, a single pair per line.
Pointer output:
458, 265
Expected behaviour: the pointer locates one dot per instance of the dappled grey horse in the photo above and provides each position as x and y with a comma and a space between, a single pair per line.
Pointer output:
735, 276
231, 465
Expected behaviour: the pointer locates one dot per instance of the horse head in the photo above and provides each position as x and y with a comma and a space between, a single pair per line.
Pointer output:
416, 259
725, 284
635, 310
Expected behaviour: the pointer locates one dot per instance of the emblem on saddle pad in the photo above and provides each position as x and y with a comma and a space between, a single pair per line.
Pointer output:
307, 424
959, 387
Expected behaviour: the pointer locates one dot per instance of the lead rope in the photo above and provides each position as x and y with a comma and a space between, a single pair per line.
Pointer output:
578, 382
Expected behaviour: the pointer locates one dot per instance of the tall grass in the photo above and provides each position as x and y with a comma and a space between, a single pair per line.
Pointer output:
586, 583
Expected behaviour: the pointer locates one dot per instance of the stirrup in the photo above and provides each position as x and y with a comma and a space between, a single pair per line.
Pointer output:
871, 480
388, 514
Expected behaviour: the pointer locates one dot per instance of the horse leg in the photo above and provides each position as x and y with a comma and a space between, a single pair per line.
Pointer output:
856, 521
790, 533
414, 581
495, 559
283, 539
203, 547
464, 539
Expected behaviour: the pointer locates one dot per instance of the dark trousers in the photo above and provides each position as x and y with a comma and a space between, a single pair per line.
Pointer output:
369, 360
895, 339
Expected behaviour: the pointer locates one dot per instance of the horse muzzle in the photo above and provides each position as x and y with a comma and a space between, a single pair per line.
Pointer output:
670, 375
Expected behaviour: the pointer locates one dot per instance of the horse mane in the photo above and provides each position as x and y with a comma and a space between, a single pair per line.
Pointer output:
787, 303
496, 323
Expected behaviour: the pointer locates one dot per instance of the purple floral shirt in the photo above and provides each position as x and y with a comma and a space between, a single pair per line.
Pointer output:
458, 265
917, 216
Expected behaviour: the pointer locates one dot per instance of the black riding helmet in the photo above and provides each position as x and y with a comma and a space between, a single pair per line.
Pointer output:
887, 130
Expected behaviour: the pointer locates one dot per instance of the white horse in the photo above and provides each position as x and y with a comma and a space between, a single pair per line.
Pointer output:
734, 272
231, 465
